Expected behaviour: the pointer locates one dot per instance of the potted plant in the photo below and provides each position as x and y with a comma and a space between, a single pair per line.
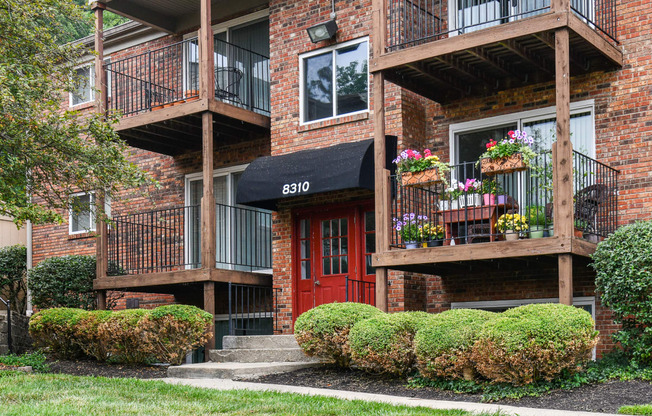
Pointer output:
536, 216
432, 235
509, 155
416, 169
511, 225
490, 189
452, 193
471, 194
409, 228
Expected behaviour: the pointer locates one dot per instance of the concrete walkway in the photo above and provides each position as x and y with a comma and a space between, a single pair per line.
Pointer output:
224, 384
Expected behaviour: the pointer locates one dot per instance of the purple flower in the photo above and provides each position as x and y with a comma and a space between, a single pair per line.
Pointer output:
412, 215
511, 141
517, 133
398, 227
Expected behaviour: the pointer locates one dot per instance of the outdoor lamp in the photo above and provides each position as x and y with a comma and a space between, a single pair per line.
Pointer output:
322, 31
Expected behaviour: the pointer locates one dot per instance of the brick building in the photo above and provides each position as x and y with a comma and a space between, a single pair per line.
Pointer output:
281, 146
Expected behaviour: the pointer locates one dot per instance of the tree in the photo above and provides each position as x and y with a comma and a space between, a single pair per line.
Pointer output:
77, 29
46, 152
13, 273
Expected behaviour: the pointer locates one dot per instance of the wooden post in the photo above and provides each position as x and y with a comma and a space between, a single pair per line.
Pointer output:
560, 5
209, 306
381, 187
563, 164
379, 18
206, 55
101, 300
101, 240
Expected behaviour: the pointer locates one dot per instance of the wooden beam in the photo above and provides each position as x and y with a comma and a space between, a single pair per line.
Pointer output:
423, 89
379, 19
563, 149
167, 134
440, 78
143, 142
206, 52
382, 191
136, 11
101, 300
209, 306
495, 62
208, 237
608, 50
535, 60
470, 72
566, 279
157, 116
237, 113
583, 248
470, 41
472, 252
577, 61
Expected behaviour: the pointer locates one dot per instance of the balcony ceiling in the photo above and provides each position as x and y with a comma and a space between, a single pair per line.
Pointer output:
176, 16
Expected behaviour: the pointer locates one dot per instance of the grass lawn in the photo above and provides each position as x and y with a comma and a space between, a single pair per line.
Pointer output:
643, 409
55, 394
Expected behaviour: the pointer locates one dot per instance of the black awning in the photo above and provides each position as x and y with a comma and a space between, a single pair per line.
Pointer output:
343, 166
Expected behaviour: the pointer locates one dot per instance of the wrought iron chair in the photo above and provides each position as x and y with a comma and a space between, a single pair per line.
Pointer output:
587, 204
227, 84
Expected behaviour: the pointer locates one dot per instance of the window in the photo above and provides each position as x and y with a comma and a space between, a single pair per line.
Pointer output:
82, 213
83, 91
587, 303
335, 81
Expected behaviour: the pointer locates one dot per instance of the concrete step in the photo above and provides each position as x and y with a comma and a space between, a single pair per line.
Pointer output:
230, 342
260, 355
234, 371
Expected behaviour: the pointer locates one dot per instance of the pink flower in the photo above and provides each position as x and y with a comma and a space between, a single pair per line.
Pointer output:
511, 133
427, 152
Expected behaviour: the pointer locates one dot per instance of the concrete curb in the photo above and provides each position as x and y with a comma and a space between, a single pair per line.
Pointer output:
226, 384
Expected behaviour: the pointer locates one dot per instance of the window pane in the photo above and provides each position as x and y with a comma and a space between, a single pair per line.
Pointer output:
318, 87
370, 221
305, 269
352, 78
325, 229
335, 227
370, 243
336, 247
327, 266
82, 91
369, 269
344, 224
336, 265
81, 218
305, 228
345, 265
305, 249
344, 246
326, 247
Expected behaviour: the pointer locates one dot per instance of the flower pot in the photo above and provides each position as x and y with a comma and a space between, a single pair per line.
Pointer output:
578, 233
501, 199
455, 204
435, 243
411, 244
489, 199
418, 179
536, 231
591, 237
469, 200
444, 205
506, 164
511, 236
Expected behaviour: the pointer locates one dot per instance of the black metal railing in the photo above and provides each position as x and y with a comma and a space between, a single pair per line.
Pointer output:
468, 205
170, 75
412, 22
244, 238
155, 241
253, 310
360, 291
595, 190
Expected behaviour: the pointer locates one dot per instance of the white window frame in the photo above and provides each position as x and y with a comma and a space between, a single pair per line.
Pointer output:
91, 85
519, 119
91, 213
323, 51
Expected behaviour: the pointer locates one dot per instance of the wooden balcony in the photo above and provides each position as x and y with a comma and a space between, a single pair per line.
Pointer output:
471, 236
479, 50
156, 96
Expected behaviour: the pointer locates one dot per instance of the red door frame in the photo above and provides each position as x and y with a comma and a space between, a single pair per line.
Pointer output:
358, 208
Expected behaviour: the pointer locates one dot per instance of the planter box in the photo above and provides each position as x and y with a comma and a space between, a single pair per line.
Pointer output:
509, 164
420, 179
470, 200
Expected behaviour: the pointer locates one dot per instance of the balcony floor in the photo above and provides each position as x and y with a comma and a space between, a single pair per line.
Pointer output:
487, 61
178, 128
504, 254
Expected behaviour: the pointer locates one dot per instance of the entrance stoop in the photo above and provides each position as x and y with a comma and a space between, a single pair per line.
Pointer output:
249, 357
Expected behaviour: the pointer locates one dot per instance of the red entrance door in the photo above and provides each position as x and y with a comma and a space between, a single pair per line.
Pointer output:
332, 246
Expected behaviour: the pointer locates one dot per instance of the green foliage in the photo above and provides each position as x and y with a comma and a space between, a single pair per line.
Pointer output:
384, 343
87, 336
54, 330
536, 215
36, 360
13, 270
324, 331
534, 341
623, 265
175, 330
443, 345
50, 151
123, 337
63, 282
638, 409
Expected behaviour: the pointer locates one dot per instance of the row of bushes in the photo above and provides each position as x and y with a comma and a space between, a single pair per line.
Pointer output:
518, 346
165, 334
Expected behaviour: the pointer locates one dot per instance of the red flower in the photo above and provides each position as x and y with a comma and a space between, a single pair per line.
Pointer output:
511, 134
427, 152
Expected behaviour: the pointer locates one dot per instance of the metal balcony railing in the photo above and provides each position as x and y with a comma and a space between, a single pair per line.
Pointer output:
360, 291
253, 310
170, 75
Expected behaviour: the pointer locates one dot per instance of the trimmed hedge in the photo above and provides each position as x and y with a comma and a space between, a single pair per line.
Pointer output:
164, 334
324, 331
384, 343
534, 342
63, 282
443, 346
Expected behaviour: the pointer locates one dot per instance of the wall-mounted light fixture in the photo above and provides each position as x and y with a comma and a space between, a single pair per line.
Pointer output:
322, 31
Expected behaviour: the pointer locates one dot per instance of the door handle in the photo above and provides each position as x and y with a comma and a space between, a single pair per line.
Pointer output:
317, 282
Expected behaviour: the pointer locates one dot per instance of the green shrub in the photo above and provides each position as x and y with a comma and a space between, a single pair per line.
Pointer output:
324, 331
124, 338
54, 330
13, 270
384, 343
623, 265
87, 335
174, 330
443, 346
63, 282
534, 342
36, 360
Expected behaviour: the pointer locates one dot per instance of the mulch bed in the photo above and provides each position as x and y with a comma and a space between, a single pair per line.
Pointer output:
97, 369
606, 397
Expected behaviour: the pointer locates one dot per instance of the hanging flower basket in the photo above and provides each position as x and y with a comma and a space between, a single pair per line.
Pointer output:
506, 164
423, 178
